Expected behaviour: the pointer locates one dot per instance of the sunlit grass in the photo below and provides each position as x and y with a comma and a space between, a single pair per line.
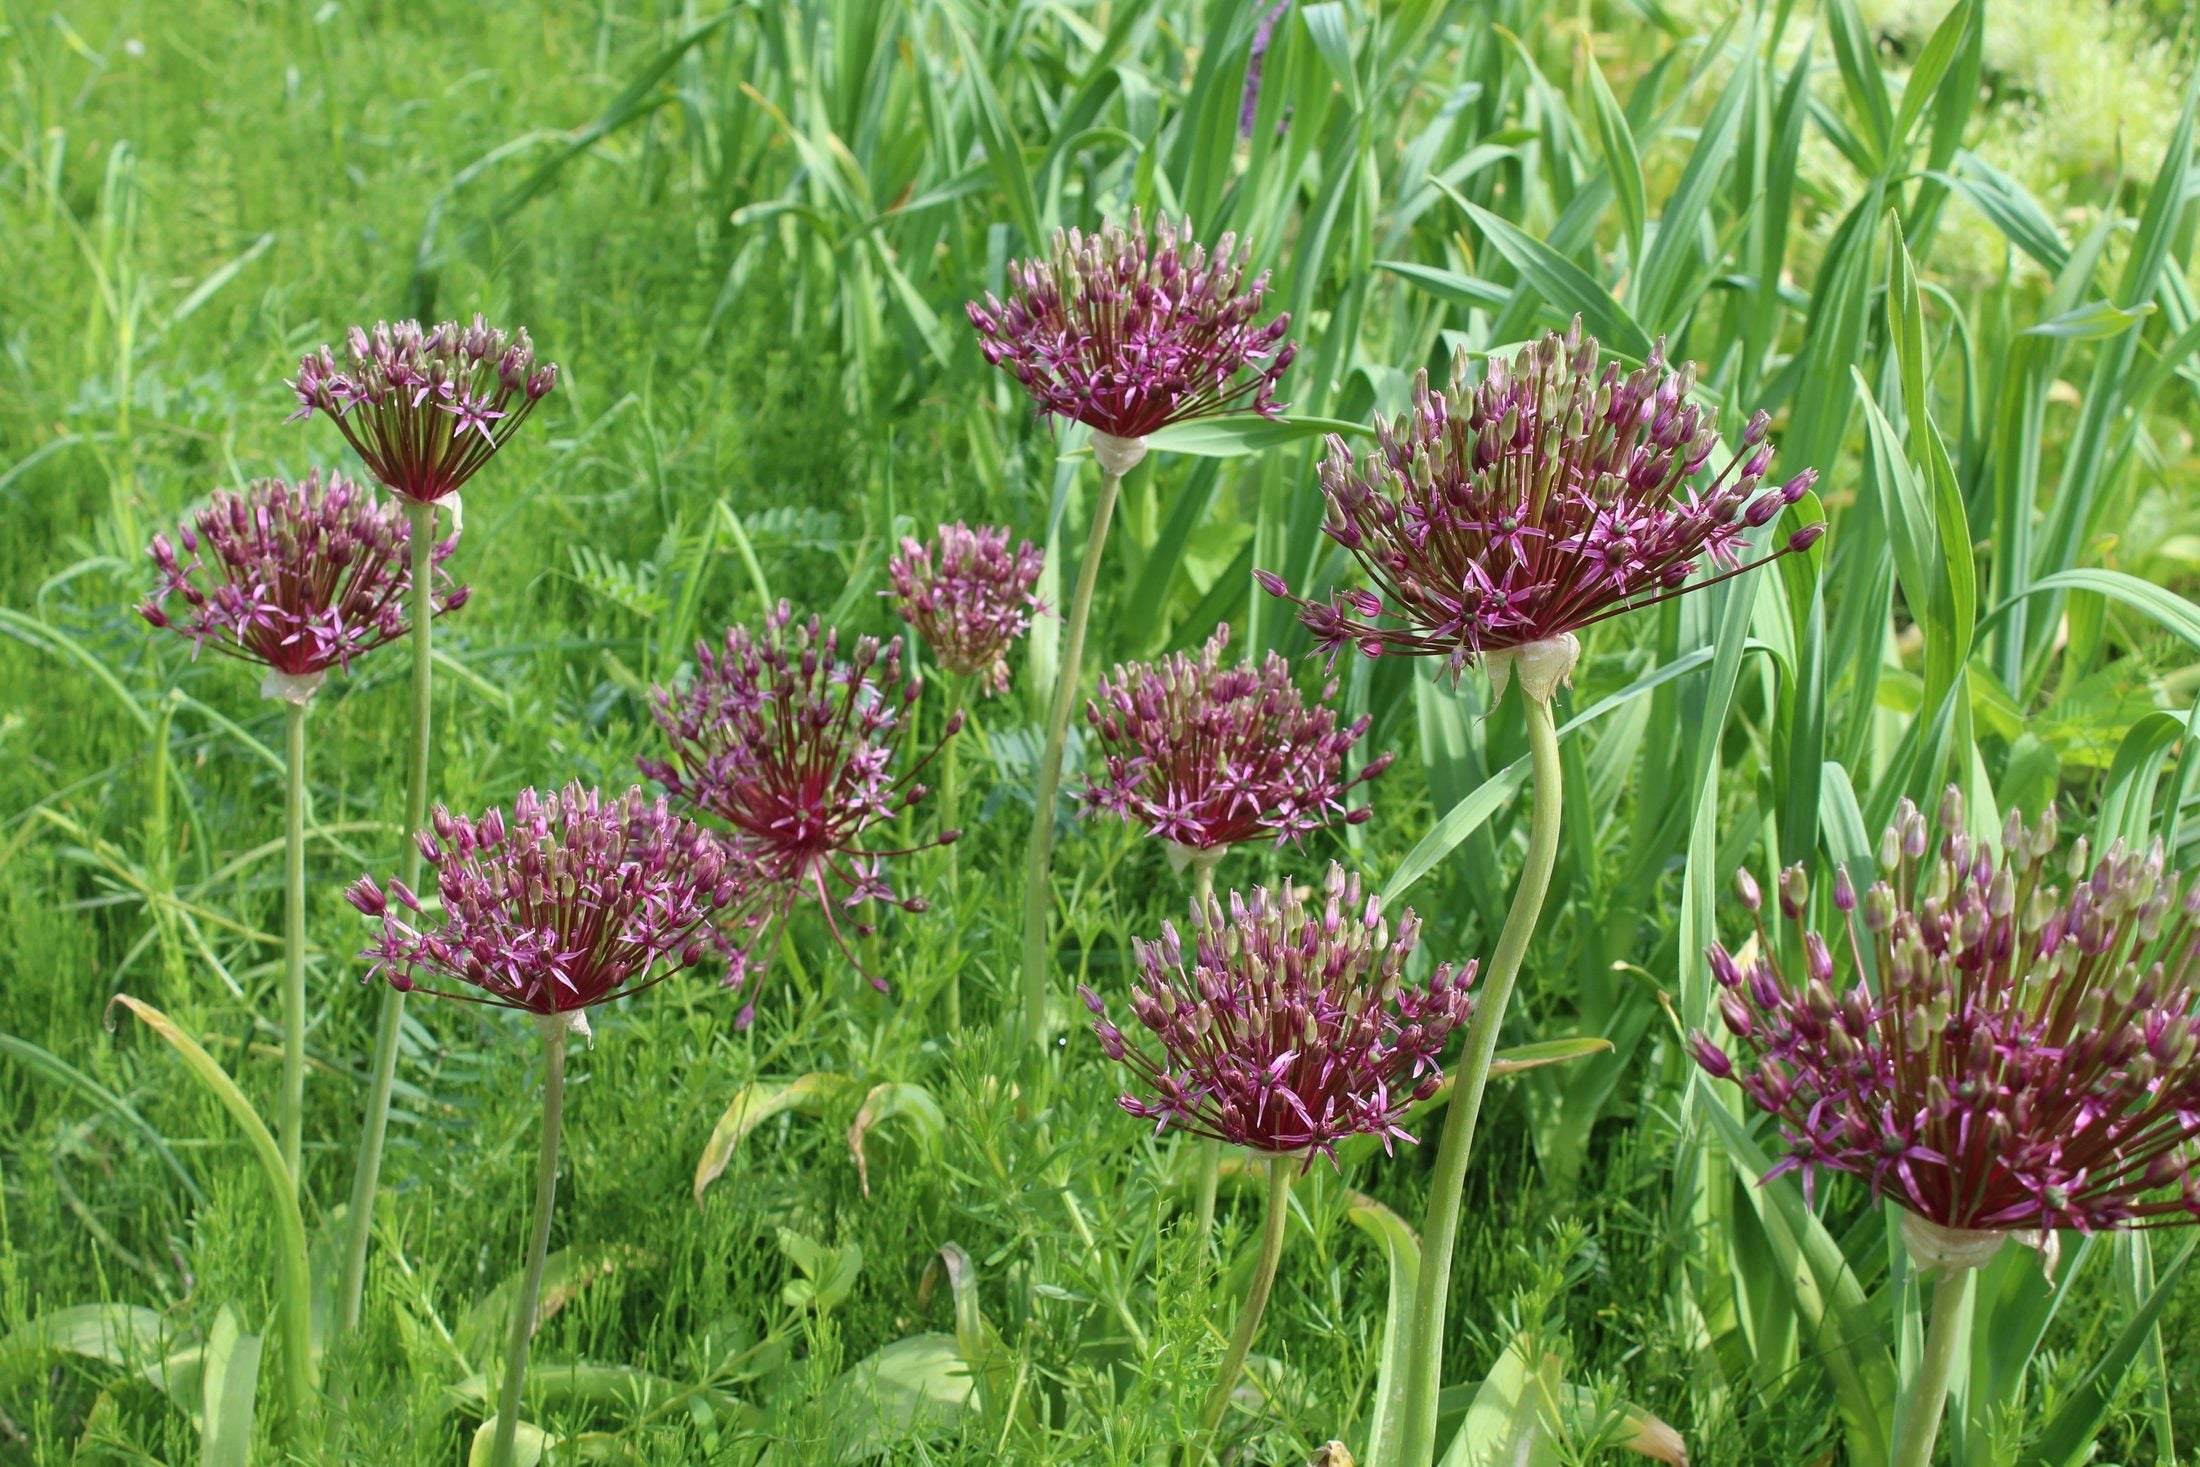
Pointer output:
768, 382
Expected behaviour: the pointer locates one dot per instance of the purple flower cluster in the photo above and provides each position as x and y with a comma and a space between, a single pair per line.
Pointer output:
969, 596
571, 902
2004, 1056
425, 407
791, 749
1545, 497
1128, 334
1290, 1029
1206, 756
298, 578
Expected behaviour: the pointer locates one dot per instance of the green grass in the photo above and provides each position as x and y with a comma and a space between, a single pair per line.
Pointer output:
746, 237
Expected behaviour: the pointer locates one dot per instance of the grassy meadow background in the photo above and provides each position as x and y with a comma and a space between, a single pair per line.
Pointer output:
1954, 259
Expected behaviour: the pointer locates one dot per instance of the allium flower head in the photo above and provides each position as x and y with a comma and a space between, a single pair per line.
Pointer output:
425, 407
2020, 1056
1128, 334
969, 596
791, 750
1287, 1028
1549, 495
298, 578
570, 902
1205, 755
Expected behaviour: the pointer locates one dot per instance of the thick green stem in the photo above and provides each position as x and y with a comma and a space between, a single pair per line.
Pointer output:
1210, 1150
951, 819
367, 1170
1038, 895
1256, 1298
538, 1245
1210, 1182
1946, 1333
1440, 1230
294, 941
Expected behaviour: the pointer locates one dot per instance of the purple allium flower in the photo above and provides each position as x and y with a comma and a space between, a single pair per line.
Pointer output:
1543, 498
1205, 756
1290, 1029
425, 407
2021, 1057
1128, 335
298, 578
792, 751
969, 596
570, 902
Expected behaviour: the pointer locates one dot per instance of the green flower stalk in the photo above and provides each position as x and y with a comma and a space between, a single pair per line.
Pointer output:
1540, 668
1275, 1218
425, 408
1126, 333
1284, 1027
568, 903
298, 579
1954, 1271
1492, 522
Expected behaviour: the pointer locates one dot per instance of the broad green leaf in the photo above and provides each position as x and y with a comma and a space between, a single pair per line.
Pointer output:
1559, 282
1402, 1253
2173, 612
125, 1336
1189, 501
1447, 285
530, 1443
1920, 86
828, 1274
2014, 1304
231, 1384
2127, 794
1534, 1056
2093, 322
1726, 613
2010, 208
1504, 1422
915, 308
1862, 79
1621, 159
1662, 293
1234, 437
1332, 29
913, 1389
993, 1366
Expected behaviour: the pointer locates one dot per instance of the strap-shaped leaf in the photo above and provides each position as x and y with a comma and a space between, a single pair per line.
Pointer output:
1845, 1333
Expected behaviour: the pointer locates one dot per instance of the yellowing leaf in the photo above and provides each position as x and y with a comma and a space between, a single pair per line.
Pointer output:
755, 1103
